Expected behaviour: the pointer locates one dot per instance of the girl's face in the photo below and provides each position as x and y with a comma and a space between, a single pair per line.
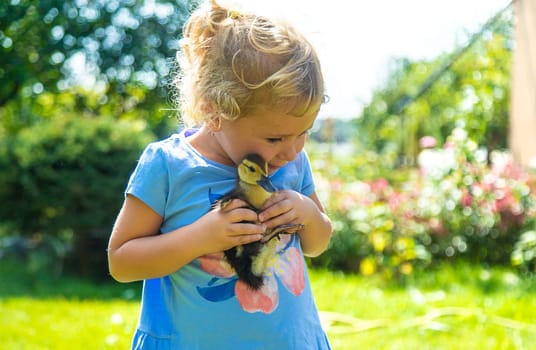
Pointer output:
275, 136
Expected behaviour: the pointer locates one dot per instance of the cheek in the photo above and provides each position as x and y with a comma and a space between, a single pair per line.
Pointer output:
267, 153
300, 143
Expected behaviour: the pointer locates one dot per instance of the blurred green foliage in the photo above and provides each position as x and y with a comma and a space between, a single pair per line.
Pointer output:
84, 89
64, 178
456, 205
425, 179
53, 45
473, 94
59, 174
110, 58
524, 254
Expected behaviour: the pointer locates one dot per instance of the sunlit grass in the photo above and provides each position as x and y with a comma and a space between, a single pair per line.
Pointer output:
59, 324
460, 307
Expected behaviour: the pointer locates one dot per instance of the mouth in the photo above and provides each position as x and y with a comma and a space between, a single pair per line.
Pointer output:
273, 168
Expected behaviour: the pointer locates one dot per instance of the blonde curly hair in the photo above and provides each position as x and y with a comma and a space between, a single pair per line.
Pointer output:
232, 62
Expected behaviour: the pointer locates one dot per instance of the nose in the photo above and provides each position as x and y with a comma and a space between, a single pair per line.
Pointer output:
292, 149
289, 153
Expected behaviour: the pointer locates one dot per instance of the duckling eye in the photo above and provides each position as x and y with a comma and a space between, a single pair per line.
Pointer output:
252, 169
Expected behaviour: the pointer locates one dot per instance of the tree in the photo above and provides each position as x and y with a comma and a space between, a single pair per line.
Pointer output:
116, 46
65, 178
472, 94
83, 83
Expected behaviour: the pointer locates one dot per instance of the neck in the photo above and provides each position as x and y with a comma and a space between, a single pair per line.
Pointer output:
205, 142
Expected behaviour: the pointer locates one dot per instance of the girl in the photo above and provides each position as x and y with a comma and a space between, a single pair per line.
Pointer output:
248, 85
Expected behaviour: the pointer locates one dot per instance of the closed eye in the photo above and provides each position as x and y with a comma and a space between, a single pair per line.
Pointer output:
280, 139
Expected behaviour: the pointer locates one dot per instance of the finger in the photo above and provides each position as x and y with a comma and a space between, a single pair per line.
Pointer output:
234, 204
245, 239
279, 230
275, 210
242, 214
288, 217
274, 198
247, 229
289, 228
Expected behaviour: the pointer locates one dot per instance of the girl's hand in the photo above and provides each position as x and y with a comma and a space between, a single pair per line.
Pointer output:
287, 207
232, 225
290, 207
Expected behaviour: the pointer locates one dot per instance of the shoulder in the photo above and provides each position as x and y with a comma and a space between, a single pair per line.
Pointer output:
164, 147
299, 166
295, 175
170, 149
159, 159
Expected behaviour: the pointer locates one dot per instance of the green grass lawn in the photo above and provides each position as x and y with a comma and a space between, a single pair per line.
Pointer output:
453, 308
458, 307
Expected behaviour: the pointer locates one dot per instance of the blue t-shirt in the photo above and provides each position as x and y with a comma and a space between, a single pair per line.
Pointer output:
203, 305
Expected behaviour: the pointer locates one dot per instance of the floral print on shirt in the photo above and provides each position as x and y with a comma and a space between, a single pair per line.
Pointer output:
287, 266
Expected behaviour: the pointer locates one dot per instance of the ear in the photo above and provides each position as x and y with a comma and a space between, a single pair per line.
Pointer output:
214, 122
213, 116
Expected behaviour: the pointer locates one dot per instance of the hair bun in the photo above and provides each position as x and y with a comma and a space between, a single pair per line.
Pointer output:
235, 61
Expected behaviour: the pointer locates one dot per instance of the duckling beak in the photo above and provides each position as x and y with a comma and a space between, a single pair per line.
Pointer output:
265, 183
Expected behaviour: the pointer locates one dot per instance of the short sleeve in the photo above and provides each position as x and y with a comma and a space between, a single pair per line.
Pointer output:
307, 185
149, 181
295, 175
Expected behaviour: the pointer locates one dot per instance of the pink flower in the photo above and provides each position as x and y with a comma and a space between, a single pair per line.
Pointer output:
216, 265
379, 185
449, 145
427, 142
287, 265
467, 199
437, 227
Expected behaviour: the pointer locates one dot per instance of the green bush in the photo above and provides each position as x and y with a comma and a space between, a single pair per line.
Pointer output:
524, 254
421, 97
456, 205
64, 177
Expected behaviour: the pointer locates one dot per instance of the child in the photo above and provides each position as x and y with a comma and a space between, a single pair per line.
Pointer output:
249, 85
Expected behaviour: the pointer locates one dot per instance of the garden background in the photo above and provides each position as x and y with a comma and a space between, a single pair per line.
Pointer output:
435, 222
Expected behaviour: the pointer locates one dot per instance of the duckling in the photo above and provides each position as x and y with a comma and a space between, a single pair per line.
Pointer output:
255, 188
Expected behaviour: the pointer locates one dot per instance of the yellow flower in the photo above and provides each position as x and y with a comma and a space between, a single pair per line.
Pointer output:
406, 268
378, 240
367, 266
